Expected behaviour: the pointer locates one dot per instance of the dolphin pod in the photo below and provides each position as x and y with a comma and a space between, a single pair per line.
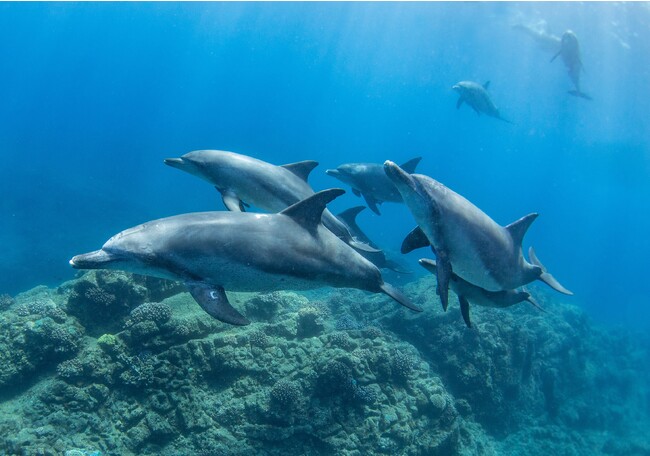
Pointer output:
239, 251
466, 241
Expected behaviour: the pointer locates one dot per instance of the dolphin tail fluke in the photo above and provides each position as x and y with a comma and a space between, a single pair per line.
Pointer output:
214, 301
399, 296
546, 277
579, 94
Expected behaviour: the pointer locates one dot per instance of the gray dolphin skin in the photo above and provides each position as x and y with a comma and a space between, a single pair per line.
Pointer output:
570, 53
240, 251
468, 292
465, 240
242, 179
378, 258
369, 180
477, 97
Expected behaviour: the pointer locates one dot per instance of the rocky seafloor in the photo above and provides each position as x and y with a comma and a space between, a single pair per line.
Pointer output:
115, 364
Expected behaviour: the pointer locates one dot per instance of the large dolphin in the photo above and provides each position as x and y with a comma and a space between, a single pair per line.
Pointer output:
242, 179
369, 180
468, 292
378, 258
478, 98
570, 53
465, 240
239, 251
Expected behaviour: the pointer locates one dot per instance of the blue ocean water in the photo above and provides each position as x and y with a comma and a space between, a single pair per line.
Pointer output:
95, 96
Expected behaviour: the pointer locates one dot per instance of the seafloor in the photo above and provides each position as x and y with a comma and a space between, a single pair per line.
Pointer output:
114, 364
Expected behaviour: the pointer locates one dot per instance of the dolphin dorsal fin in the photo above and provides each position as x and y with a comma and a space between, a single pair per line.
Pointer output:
349, 216
302, 168
308, 212
518, 228
486, 85
410, 165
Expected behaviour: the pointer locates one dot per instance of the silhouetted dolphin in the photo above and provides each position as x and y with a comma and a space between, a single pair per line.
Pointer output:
369, 180
378, 258
477, 97
240, 251
465, 239
570, 52
242, 179
467, 293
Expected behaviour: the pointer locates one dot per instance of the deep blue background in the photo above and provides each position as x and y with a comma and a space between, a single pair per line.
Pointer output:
94, 96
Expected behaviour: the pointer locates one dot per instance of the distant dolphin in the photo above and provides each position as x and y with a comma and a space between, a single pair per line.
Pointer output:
369, 180
477, 97
570, 52
378, 258
239, 251
466, 241
467, 293
242, 179
540, 35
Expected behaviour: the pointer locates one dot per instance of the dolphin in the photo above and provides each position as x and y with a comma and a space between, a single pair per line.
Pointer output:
378, 258
467, 292
243, 180
478, 98
241, 251
369, 180
465, 240
570, 52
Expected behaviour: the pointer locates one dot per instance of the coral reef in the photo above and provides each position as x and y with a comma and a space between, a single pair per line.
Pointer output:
140, 370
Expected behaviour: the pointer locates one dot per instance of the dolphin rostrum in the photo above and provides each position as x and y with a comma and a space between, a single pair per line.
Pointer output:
378, 258
240, 251
242, 179
369, 180
467, 293
478, 98
465, 240
570, 52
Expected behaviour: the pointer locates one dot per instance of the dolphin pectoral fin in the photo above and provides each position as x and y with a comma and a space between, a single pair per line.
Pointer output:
356, 192
545, 276
534, 303
459, 103
372, 203
414, 240
443, 273
486, 85
464, 310
301, 169
395, 266
214, 301
399, 296
518, 228
556, 55
231, 200
359, 245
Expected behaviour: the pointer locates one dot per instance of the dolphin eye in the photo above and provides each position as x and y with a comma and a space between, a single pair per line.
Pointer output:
213, 295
